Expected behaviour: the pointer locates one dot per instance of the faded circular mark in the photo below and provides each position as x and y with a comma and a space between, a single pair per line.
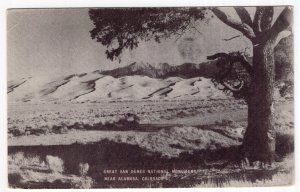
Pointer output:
189, 49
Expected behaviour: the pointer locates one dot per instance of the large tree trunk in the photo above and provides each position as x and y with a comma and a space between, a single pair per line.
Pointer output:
259, 138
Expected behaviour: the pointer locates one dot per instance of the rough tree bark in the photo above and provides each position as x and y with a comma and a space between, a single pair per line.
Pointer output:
259, 139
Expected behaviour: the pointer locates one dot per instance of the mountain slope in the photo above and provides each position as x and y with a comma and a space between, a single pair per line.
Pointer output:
164, 70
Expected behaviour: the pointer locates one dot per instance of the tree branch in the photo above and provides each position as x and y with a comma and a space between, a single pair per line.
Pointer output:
262, 19
229, 87
232, 89
267, 18
281, 35
234, 23
218, 55
230, 60
232, 38
244, 15
282, 23
233, 58
257, 19
246, 64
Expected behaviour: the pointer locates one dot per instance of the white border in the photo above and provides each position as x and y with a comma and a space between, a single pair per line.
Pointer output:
5, 4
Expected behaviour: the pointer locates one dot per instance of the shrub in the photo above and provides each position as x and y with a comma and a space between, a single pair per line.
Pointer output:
83, 183
55, 164
40, 131
59, 129
83, 169
16, 131
16, 159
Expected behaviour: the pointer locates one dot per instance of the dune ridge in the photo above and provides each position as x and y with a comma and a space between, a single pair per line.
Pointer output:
94, 86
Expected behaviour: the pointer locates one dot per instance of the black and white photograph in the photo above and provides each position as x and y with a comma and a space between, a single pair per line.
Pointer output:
150, 97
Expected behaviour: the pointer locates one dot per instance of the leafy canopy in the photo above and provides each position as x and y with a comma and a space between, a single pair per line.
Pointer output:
124, 28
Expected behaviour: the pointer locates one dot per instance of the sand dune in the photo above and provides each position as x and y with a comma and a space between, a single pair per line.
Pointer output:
11, 85
96, 87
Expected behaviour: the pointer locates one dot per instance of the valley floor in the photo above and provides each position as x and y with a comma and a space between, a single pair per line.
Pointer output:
205, 133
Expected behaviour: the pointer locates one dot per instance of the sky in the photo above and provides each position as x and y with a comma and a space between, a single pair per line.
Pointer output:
55, 42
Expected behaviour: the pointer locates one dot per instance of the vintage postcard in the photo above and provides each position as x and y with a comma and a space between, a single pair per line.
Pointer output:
150, 97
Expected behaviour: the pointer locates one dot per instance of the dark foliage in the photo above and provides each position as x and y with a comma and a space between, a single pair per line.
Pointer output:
121, 28
234, 73
284, 74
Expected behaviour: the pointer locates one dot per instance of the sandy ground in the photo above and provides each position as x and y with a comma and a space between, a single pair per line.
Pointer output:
71, 137
172, 129
190, 128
